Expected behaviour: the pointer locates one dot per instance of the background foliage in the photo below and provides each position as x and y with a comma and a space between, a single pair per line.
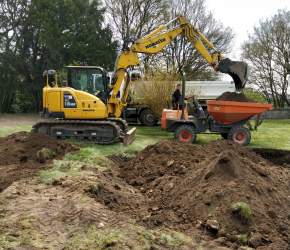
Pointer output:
37, 35
157, 92
268, 53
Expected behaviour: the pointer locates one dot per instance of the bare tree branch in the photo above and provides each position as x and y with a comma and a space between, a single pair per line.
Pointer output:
268, 52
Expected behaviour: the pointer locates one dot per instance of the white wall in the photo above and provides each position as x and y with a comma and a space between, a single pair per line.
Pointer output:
208, 89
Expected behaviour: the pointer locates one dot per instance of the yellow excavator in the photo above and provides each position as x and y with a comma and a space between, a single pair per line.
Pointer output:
71, 113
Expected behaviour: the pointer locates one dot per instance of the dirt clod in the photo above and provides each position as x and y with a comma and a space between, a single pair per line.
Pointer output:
23, 154
44, 154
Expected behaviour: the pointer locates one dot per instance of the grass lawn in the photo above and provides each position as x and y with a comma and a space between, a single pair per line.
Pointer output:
271, 134
7, 130
11, 123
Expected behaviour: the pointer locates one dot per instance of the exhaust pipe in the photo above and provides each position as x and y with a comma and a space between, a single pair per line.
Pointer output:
238, 70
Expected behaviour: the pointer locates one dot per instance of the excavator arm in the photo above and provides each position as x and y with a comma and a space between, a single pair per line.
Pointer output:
155, 42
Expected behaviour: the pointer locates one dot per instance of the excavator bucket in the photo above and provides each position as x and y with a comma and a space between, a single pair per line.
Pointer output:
236, 69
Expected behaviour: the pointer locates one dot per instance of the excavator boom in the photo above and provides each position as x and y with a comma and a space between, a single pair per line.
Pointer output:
155, 42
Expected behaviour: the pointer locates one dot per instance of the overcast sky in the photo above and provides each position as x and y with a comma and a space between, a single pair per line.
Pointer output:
243, 15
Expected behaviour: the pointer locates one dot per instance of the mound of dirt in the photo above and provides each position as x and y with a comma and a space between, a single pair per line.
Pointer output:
116, 194
233, 96
23, 154
189, 186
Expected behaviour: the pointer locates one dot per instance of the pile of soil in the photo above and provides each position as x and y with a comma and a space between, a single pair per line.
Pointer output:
186, 186
23, 154
233, 96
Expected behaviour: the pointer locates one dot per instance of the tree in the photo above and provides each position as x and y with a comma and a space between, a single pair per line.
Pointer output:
268, 53
180, 54
11, 12
131, 19
37, 34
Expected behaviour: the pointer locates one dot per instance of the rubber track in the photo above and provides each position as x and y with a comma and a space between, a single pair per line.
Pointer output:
70, 123
122, 124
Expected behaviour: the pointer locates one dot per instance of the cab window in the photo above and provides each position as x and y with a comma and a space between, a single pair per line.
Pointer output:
88, 80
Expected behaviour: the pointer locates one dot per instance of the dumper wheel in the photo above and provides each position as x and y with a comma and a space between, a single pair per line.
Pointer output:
240, 135
185, 133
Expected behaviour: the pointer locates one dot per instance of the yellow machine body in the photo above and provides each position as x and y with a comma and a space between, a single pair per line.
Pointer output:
73, 104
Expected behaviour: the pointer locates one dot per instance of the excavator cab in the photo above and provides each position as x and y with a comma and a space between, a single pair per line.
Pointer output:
238, 70
90, 79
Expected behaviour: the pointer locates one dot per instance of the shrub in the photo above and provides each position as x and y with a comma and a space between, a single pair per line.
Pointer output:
255, 95
156, 92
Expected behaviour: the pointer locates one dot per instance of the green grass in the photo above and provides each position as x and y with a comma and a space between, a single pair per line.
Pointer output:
127, 237
95, 155
60, 169
271, 134
173, 239
5, 130
94, 238
144, 137
243, 209
72, 164
243, 239
22, 235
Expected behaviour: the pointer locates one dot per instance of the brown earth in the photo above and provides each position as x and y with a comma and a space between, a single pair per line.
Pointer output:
185, 187
233, 96
170, 185
66, 216
22, 155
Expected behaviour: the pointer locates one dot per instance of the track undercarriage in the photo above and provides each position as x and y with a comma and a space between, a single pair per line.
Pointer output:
98, 131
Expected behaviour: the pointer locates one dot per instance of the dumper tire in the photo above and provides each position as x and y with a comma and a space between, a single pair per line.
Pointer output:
240, 135
185, 133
